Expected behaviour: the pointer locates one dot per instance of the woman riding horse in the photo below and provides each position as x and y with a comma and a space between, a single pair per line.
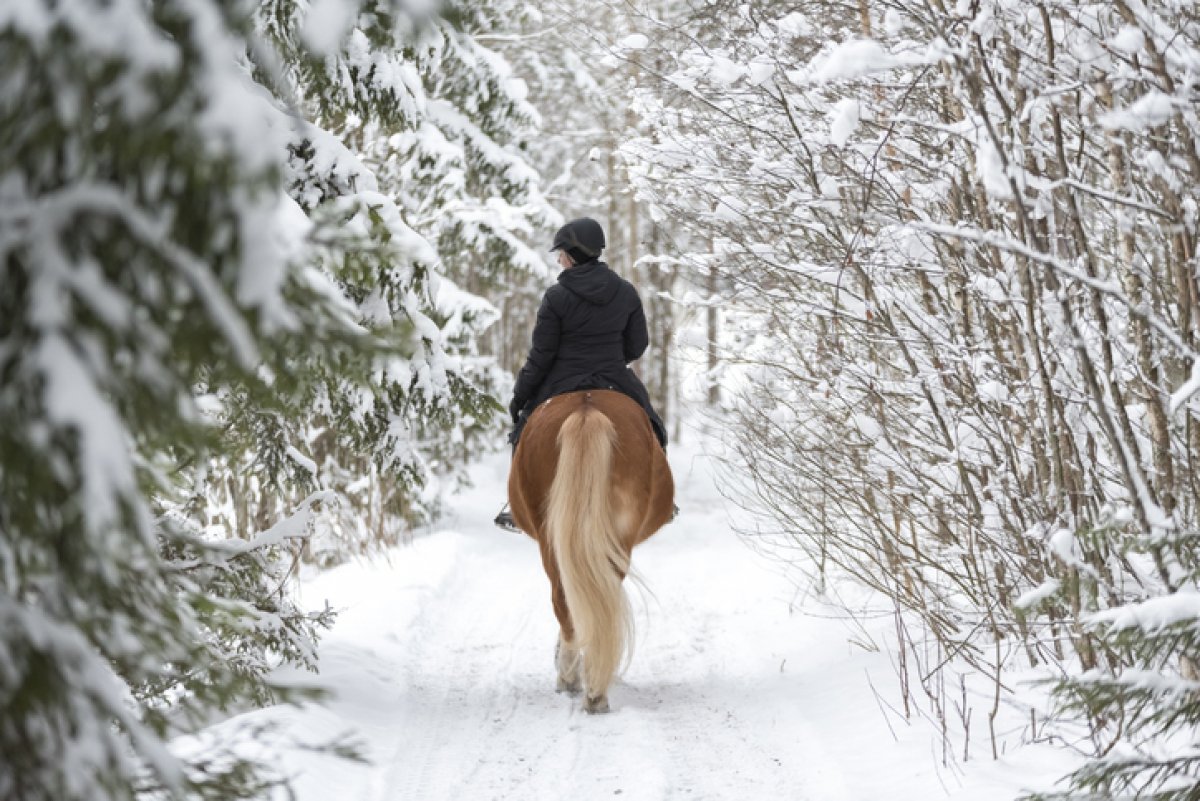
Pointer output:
590, 478
590, 326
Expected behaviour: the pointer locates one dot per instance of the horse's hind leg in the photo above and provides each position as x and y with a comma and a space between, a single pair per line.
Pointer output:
567, 657
593, 704
567, 661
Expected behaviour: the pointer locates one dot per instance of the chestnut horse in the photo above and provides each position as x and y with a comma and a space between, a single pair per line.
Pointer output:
589, 481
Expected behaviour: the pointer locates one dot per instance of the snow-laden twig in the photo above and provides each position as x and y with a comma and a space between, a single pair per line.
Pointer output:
1111, 289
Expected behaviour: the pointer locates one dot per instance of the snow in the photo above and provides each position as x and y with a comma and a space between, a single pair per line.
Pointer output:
299, 458
455, 303
991, 170
1148, 111
75, 403
852, 59
440, 668
636, 41
993, 391
989, 288
1148, 681
452, 121
401, 236
328, 21
831, 188
794, 25
868, 426
1154, 614
56, 210
118, 27
1063, 544
517, 88
893, 22
1033, 597
843, 120
1128, 40
1190, 388
296, 525
724, 72
260, 282
239, 115
102, 696
759, 71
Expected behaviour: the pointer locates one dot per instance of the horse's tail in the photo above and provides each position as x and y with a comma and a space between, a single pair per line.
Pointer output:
582, 521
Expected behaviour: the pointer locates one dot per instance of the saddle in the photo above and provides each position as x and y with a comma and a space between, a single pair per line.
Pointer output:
589, 382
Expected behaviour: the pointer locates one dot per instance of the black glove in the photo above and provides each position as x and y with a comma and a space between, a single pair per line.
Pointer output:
514, 409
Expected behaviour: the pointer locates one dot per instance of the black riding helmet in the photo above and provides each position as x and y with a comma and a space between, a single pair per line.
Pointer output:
582, 239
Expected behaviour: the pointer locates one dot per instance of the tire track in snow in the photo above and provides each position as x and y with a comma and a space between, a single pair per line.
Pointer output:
479, 719
469, 676
444, 664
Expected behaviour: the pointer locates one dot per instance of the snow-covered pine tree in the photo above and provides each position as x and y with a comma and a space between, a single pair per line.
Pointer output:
463, 166
1143, 702
138, 175
406, 125
173, 326
465, 172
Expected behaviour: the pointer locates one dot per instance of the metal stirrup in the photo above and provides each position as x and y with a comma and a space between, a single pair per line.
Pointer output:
505, 521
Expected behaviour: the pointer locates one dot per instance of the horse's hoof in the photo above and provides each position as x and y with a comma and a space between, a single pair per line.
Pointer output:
568, 687
595, 706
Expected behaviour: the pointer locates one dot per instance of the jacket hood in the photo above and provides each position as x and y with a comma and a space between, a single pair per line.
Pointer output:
593, 281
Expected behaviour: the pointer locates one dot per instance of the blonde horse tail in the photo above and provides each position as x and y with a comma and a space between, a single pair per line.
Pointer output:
581, 519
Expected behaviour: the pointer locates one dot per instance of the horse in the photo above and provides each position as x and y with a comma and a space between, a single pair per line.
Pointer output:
589, 481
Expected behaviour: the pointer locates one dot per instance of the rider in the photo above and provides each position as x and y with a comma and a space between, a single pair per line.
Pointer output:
589, 328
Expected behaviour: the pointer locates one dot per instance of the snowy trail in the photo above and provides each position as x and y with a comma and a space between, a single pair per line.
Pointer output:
441, 665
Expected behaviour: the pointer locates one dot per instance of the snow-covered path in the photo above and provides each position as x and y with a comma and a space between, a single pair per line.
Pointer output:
441, 665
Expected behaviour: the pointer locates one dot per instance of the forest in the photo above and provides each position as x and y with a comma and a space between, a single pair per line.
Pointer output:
927, 269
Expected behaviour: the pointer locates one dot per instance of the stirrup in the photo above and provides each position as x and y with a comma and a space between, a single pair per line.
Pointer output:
505, 520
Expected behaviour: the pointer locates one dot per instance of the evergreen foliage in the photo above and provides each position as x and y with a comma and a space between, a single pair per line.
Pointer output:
213, 323
422, 126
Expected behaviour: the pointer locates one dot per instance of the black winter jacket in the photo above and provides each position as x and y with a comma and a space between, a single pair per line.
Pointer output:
589, 328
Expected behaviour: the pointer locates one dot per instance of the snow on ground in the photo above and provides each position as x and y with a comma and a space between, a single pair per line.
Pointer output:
441, 666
